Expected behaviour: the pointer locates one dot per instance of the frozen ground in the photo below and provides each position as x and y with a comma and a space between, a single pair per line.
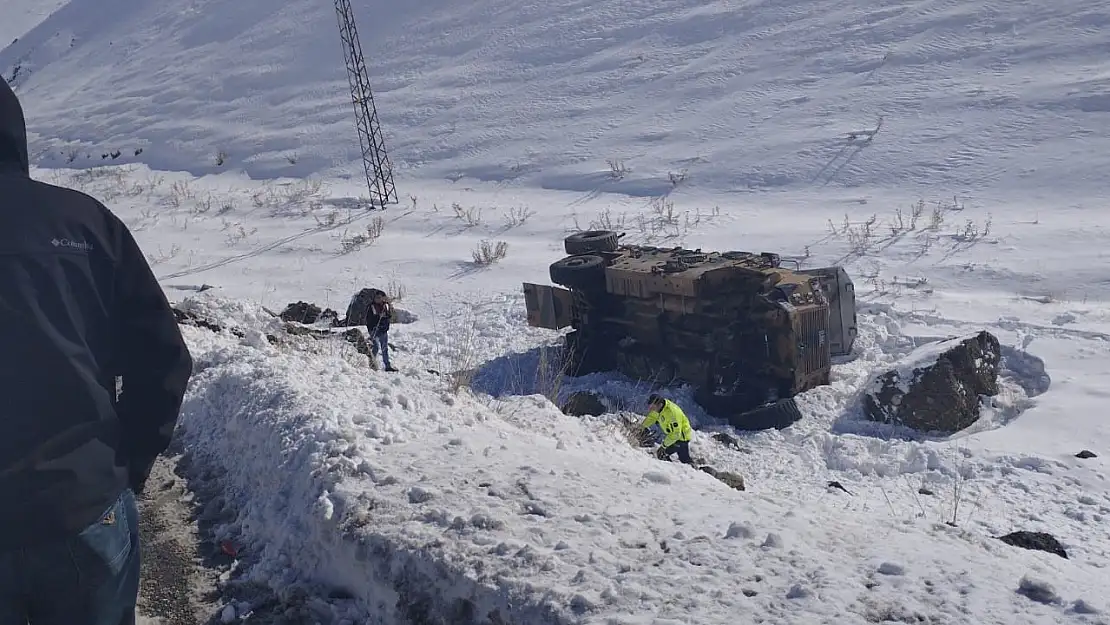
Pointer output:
394, 499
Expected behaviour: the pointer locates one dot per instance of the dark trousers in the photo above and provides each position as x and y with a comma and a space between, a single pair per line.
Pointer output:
682, 448
88, 579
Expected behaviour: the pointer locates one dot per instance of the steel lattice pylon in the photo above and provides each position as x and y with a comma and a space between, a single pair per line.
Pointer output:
379, 171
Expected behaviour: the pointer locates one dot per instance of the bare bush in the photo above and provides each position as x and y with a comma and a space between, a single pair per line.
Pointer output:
469, 216
354, 242
517, 216
396, 290
972, 232
236, 232
462, 352
282, 196
617, 169
663, 209
548, 375
203, 206
605, 220
164, 256
180, 191
221, 158
327, 220
489, 253
677, 178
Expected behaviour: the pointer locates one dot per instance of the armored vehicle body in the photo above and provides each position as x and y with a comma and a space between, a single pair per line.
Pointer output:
747, 333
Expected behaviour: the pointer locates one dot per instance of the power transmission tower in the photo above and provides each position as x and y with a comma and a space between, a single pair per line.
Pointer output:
375, 161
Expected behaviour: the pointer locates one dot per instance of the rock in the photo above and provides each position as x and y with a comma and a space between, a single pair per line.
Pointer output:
733, 480
402, 316
354, 336
583, 403
1086, 454
1037, 541
1038, 590
891, 568
304, 312
185, 317
360, 304
937, 387
727, 440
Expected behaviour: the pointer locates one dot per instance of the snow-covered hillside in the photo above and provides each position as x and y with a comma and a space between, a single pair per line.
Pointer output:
20, 17
396, 498
979, 95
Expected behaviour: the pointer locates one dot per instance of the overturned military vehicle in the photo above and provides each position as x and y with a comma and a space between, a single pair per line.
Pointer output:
747, 333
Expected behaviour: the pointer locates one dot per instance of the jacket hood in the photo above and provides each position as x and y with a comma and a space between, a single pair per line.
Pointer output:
13, 132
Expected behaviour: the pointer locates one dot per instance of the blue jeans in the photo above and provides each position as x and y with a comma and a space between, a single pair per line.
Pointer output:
379, 342
88, 579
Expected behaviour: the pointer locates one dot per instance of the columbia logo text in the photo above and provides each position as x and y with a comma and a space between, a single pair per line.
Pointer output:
71, 244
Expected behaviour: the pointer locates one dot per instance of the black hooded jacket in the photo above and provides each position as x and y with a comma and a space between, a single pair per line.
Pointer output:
79, 307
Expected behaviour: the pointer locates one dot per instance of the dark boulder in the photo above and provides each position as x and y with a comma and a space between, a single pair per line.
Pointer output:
190, 318
307, 313
360, 306
937, 387
583, 403
733, 480
727, 440
1086, 454
352, 335
1037, 541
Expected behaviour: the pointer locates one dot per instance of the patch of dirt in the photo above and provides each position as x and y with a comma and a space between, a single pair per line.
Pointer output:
176, 588
187, 579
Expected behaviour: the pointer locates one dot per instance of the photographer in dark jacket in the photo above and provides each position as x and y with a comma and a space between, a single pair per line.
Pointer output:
79, 307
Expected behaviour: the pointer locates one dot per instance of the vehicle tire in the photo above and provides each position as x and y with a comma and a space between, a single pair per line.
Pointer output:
585, 272
591, 242
779, 415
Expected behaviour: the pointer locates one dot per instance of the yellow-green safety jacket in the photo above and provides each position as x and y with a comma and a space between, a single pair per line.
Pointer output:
675, 425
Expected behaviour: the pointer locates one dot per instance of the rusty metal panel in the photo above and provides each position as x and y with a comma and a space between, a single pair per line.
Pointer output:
547, 306
628, 282
812, 334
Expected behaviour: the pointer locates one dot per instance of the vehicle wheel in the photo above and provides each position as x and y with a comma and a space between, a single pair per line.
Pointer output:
591, 242
779, 415
584, 272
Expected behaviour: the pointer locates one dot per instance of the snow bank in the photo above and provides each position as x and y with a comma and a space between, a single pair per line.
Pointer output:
427, 506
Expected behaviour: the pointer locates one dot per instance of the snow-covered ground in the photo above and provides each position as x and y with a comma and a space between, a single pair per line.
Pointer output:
978, 205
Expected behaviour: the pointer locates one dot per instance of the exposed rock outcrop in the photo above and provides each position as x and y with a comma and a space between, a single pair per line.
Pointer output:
584, 403
937, 387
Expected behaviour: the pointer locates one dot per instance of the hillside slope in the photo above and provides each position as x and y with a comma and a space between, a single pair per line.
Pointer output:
20, 16
739, 95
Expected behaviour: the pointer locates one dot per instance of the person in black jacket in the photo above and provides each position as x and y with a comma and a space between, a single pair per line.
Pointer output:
79, 308
378, 317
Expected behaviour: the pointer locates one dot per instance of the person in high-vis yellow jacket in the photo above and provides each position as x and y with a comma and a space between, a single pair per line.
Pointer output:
676, 428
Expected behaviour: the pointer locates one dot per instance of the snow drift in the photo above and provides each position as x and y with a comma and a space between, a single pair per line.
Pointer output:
425, 505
